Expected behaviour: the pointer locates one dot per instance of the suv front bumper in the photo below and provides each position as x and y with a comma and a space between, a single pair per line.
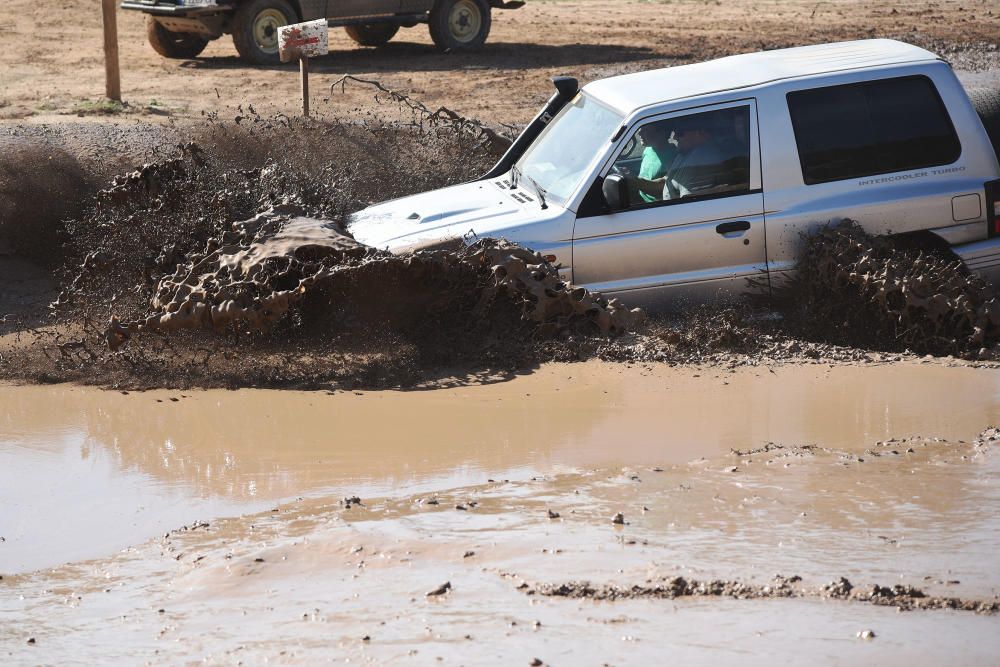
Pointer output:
175, 10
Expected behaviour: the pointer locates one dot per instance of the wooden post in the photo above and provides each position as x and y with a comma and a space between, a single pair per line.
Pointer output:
112, 85
304, 71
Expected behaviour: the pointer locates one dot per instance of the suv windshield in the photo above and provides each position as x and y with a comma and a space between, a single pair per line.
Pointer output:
557, 160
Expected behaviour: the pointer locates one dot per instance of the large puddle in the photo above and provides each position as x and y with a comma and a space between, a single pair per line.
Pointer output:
84, 472
457, 485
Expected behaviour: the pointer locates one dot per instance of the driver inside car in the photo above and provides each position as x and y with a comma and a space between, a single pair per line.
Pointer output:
697, 168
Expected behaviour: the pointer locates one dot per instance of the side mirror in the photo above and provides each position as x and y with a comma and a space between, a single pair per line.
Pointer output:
615, 191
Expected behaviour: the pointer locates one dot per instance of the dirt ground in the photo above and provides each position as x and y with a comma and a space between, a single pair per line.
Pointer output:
54, 67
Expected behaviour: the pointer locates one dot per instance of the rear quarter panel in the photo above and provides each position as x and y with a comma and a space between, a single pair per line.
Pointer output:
885, 204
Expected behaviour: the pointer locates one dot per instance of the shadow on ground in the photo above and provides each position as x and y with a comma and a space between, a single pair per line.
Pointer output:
408, 56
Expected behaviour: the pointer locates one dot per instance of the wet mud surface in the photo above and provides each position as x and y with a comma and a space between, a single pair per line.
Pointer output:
110, 480
611, 536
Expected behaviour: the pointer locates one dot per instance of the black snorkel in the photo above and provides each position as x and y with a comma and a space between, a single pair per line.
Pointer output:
566, 89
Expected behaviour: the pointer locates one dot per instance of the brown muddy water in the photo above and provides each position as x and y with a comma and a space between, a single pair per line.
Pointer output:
308, 528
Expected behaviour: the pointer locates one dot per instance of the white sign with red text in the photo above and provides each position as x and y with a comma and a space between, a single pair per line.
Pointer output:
303, 40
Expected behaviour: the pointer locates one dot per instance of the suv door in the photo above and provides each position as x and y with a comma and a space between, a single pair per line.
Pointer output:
694, 226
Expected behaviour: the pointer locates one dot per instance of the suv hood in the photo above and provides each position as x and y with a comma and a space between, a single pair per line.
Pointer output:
470, 211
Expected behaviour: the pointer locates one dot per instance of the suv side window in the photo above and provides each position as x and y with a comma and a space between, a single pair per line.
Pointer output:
694, 156
871, 128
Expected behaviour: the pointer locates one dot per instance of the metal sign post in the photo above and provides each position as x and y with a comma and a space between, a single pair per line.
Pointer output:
112, 81
302, 41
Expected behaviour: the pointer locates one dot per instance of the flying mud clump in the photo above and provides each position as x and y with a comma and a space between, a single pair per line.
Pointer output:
853, 288
251, 276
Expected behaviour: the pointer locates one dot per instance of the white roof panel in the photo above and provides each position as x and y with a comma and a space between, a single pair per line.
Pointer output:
632, 91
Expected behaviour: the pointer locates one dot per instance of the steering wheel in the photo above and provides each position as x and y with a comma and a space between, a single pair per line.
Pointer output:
623, 171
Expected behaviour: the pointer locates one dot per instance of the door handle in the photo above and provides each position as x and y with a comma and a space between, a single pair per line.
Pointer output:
729, 227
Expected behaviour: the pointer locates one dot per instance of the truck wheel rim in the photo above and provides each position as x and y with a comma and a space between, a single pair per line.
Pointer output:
265, 29
465, 21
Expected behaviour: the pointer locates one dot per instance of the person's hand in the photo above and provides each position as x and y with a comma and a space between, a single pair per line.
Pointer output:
652, 187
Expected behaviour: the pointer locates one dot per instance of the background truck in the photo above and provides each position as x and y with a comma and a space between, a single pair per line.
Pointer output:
182, 28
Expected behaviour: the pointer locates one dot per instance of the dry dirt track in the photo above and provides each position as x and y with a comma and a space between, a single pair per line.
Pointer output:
51, 65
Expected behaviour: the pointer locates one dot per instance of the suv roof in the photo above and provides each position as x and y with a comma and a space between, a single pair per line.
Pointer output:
633, 91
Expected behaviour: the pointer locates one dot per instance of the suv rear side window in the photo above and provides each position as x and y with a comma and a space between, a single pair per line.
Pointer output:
871, 128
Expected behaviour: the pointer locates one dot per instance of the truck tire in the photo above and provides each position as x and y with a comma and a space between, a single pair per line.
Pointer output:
372, 34
459, 25
170, 44
987, 104
255, 29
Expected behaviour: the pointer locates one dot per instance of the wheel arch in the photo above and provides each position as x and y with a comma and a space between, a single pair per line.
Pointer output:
300, 11
296, 5
926, 240
227, 26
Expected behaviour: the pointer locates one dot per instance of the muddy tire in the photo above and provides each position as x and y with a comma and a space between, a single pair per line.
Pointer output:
372, 34
255, 29
183, 45
459, 25
987, 104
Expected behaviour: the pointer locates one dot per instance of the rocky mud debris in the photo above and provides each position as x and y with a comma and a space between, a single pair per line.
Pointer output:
440, 590
904, 598
907, 598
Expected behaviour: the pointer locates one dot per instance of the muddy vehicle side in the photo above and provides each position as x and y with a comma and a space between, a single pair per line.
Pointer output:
182, 28
875, 131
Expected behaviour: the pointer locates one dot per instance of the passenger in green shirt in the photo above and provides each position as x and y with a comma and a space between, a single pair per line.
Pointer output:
656, 159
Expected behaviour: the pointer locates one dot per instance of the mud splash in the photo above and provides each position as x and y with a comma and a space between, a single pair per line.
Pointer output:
877, 292
29, 222
229, 254
252, 277
207, 252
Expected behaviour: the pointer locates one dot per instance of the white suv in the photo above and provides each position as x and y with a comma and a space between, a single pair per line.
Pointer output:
681, 183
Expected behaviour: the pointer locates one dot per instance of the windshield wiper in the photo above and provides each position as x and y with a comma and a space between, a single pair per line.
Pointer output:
540, 192
515, 176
